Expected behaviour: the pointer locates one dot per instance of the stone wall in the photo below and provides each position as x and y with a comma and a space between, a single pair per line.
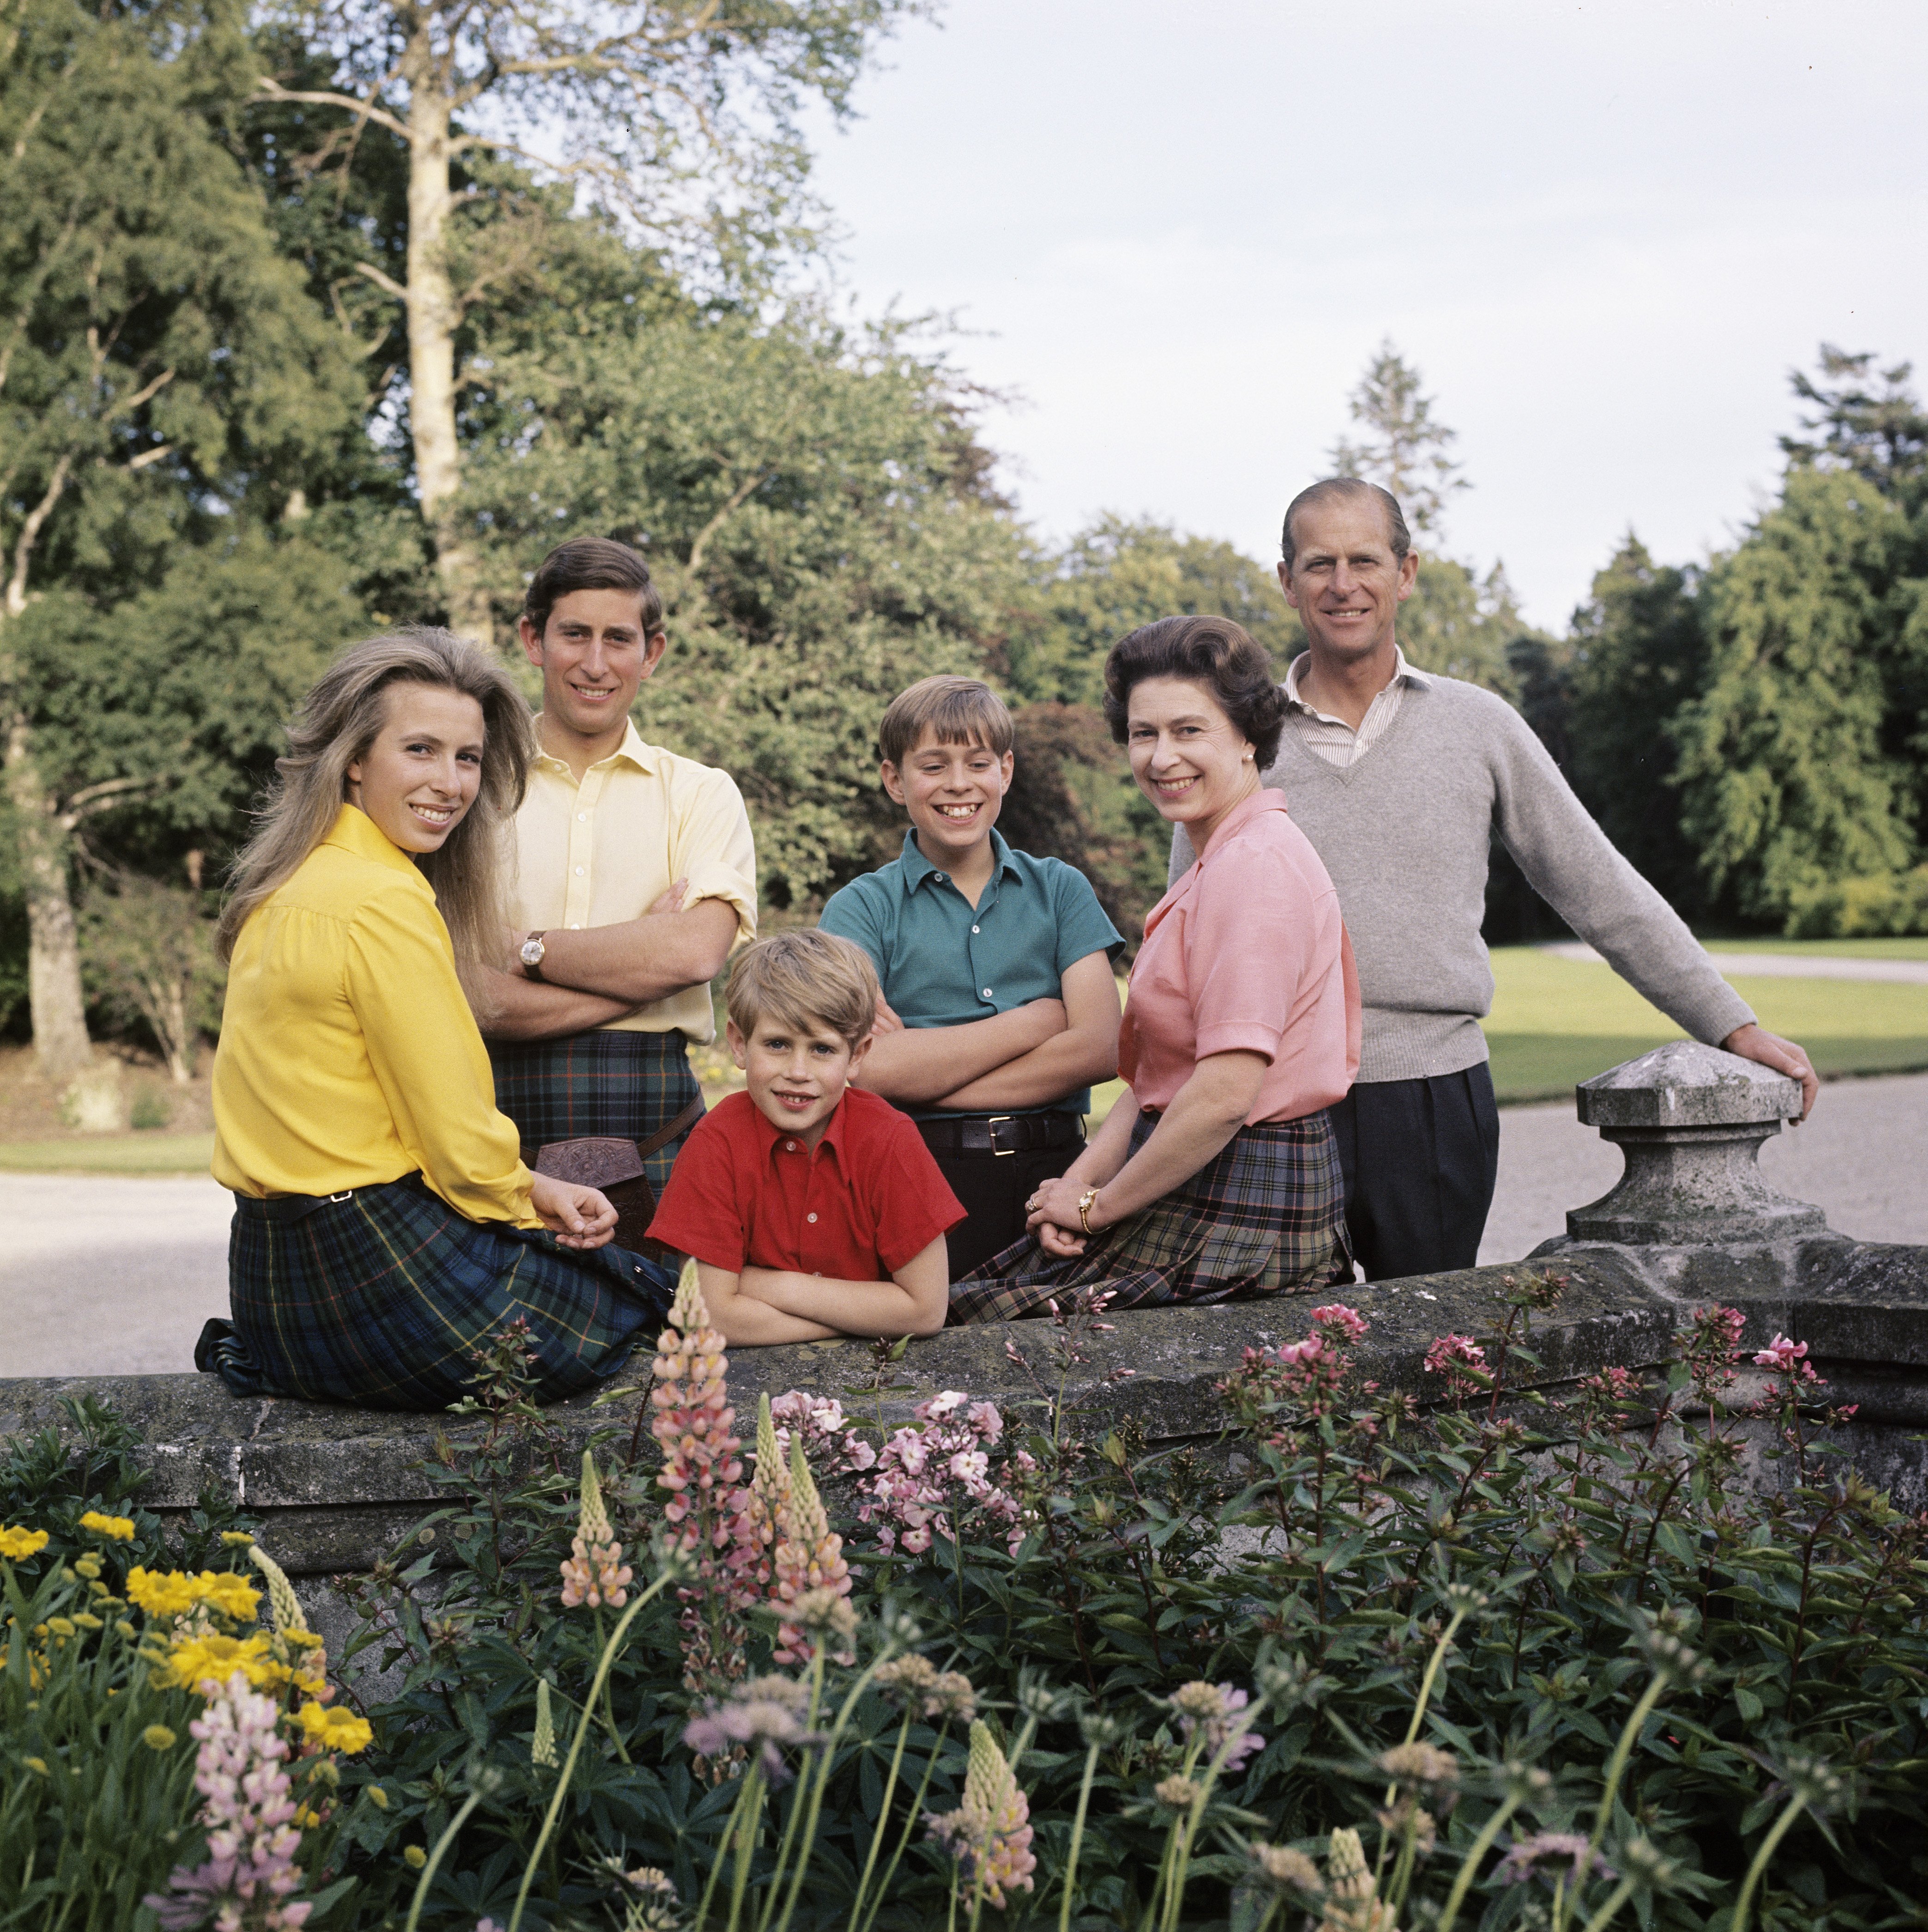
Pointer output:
1691, 1222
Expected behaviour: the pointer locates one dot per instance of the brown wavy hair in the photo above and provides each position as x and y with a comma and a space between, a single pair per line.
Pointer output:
339, 720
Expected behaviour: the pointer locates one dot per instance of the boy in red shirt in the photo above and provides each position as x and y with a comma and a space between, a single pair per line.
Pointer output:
812, 1208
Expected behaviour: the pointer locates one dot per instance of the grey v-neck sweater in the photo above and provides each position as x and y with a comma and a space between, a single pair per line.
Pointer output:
1404, 831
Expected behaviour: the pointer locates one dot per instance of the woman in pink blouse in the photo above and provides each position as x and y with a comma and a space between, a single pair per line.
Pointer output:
1216, 1176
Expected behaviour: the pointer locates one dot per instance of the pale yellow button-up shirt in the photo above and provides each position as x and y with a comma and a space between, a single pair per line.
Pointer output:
604, 851
348, 1055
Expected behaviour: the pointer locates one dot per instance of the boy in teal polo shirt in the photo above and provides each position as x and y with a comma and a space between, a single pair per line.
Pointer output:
999, 1008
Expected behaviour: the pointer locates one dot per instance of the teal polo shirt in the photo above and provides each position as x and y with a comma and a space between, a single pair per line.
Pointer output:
945, 963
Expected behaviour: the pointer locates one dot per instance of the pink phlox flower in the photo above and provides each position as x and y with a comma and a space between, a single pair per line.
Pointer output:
1449, 1351
248, 1811
986, 1419
968, 1466
1788, 1356
1351, 1325
928, 1475
939, 1406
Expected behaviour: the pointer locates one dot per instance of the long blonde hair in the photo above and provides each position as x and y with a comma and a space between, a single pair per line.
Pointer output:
339, 721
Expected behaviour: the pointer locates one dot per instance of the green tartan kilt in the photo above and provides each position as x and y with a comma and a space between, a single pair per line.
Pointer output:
381, 1299
623, 1084
1265, 1215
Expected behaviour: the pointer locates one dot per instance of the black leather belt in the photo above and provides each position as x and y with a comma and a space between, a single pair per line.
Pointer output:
285, 1207
1003, 1133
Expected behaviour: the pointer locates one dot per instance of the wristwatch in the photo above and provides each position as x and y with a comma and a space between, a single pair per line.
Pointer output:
531, 955
1086, 1201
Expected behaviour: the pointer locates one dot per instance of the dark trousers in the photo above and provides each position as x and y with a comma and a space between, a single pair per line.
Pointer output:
1420, 1158
993, 1189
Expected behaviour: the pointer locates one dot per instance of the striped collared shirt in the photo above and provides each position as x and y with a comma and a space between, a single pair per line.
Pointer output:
1332, 738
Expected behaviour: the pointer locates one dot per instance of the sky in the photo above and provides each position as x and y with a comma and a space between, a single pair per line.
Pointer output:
1605, 234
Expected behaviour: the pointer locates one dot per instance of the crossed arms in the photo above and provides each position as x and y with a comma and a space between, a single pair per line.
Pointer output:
1027, 1057
760, 1305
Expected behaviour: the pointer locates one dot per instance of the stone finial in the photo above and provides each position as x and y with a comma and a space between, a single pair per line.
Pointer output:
1691, 1119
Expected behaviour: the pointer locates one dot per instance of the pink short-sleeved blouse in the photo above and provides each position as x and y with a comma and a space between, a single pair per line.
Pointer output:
1247, 952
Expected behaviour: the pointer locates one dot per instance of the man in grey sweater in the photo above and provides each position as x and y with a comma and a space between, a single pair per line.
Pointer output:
1399, 778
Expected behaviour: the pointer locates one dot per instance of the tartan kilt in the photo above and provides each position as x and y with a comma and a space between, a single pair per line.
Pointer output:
1265, 1215
380, 1300
626, 1085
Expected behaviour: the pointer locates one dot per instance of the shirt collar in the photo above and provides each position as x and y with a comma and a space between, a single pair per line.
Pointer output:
1401, 670
832, 1132
1266, 798
633, 750
917, 868
355, 832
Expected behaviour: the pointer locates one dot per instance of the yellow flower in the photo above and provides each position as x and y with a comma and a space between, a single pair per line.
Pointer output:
88, 1622
157, 1737
166, 1593
335, 1730
60, 1627
233, 1596
415, 1855
120, 1527
89, 1567
16, 1544
196, 1659
237, 1538
125, 1628
378, 1798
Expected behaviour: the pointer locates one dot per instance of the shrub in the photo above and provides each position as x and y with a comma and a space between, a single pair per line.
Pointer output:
1889, 904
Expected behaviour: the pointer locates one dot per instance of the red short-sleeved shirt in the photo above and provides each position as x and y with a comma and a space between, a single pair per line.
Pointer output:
745, 1194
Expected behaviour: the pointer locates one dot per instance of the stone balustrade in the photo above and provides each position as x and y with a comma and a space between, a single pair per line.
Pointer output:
1691, 1221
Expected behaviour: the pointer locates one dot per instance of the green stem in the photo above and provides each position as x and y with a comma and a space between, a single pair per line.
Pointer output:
910, 1825
1615, 1900
824, 1765
603, 1662
802, 1792
1616, 1765
749, 1777
1758, 1869
745, 1852
1469, 1867
883, 1819
1077, 1838
442, 1844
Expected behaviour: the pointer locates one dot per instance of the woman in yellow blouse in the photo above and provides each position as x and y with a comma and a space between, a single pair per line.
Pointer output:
384, 1226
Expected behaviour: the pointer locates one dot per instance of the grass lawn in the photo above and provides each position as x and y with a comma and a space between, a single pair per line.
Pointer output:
110, 1153
1556, 1021
1841, 948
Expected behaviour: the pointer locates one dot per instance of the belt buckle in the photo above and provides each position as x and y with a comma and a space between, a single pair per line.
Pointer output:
991, 1125
348, 1195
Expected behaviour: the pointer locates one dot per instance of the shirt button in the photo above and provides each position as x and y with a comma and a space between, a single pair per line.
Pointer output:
810, 1217
575, 925
940, 878
974, 928
581, 815
790, 1146
987, 992
578, 871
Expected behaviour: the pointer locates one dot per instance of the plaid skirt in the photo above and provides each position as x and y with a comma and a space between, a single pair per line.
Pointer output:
381, 1299
1265, 1215
627, 1084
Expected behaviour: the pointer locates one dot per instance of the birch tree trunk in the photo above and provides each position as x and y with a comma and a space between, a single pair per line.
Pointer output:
61, 1048
434, 316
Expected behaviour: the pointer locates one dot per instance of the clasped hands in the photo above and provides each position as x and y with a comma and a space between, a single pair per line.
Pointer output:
1052, 1215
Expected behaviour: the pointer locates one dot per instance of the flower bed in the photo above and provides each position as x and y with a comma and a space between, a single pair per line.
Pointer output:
1510, 1661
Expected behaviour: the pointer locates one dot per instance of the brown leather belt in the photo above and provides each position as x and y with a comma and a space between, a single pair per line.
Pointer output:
1005, 1133
618, 1168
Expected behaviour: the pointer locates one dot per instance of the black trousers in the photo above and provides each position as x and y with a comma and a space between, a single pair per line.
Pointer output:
1420, 1158
993, 1188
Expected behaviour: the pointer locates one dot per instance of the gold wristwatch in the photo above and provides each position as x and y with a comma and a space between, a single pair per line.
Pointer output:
1085, 1201
531, 955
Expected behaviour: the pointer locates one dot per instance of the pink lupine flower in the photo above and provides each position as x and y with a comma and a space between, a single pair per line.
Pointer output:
594, 1572
759, 1510
695, 1425
809, 1557
249, 1811
990, 1834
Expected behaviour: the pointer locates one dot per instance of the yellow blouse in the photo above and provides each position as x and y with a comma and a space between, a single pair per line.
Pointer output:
348, 1056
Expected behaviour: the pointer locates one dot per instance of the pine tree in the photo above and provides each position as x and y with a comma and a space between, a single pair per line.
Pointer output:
1404, 448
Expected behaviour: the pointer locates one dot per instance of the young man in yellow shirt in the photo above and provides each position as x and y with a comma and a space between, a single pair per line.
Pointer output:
635, 876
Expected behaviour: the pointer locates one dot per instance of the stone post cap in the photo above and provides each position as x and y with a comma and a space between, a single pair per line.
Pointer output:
1686, 1084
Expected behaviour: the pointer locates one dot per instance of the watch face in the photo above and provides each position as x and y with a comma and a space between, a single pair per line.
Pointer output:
531, 951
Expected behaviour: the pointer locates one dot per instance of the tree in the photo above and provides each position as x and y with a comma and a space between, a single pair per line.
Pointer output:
150, 955
1789, 774
1404, 448
1879, 432
1119, 573
159, 365
649, 97
1639, 655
